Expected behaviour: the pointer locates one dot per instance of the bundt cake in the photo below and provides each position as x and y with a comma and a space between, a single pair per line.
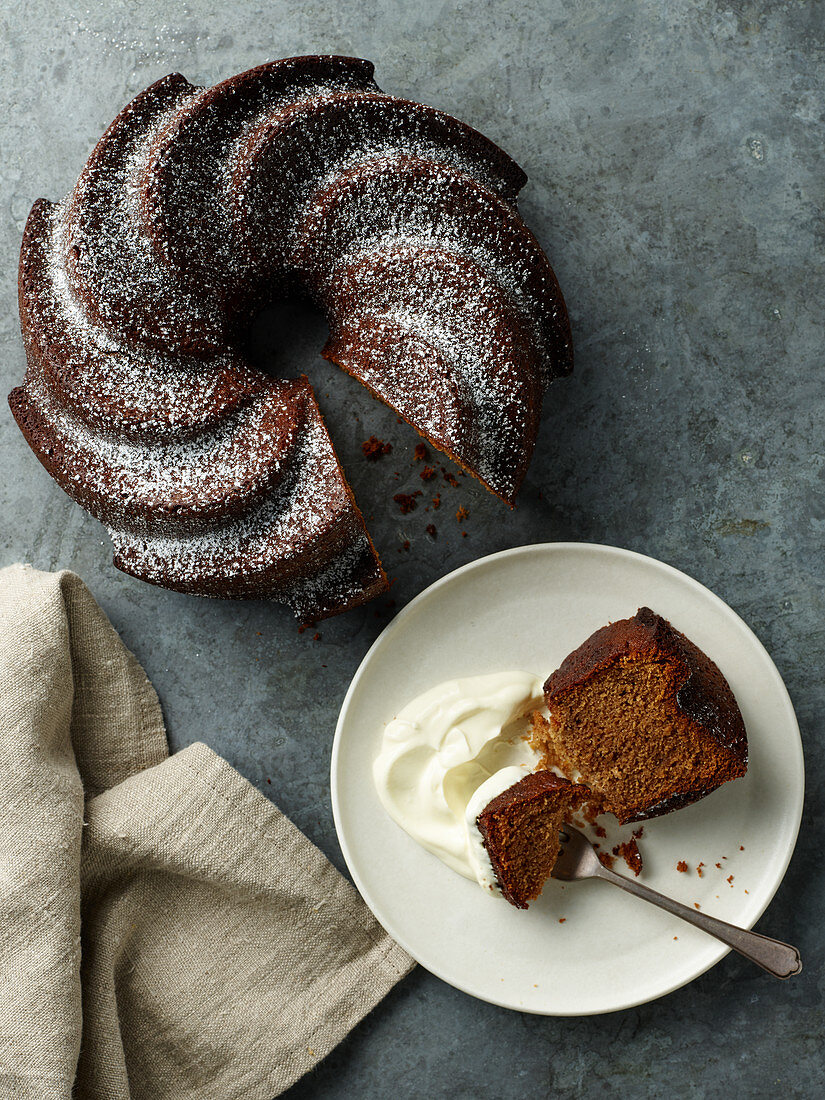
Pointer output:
520, 832
644, 718
195, 208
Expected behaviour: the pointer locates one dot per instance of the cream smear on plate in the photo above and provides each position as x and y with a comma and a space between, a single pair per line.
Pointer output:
448, 753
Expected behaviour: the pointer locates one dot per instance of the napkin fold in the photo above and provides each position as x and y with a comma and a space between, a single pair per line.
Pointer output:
165, 932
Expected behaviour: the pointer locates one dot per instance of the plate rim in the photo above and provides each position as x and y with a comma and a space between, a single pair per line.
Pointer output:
557, 547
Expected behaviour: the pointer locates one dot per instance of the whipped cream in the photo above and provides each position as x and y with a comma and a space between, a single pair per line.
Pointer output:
451, 751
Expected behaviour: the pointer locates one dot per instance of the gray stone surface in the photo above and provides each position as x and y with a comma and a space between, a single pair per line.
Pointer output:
675, 159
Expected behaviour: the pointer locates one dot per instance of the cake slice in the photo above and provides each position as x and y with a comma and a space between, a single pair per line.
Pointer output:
519, 832
644, 718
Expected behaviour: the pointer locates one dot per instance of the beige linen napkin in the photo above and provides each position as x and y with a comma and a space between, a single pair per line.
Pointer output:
182, 939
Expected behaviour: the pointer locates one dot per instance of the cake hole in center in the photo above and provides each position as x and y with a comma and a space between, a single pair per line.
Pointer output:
285, 338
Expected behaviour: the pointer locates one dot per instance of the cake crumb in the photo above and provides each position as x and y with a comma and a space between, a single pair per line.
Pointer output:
600, 831
676, 937
436, 501
449, 478
538, 737
639, 833
699, 870
681, 865
729, 880
406, 501
431, 530
462, 513
696, 905
629, 852
607, 860
591, 811
428, 473
562, 920
420, 454
719, 865
375, 448
741, 847
316, 637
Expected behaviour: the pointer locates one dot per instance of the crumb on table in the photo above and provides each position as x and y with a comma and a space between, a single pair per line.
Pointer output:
374, 448
406, 501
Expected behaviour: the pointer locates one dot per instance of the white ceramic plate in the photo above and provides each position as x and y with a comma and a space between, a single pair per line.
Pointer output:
582, 947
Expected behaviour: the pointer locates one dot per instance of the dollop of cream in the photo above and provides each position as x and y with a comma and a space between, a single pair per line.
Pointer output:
461, 739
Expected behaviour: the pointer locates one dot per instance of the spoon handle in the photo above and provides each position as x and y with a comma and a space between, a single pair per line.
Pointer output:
779, 959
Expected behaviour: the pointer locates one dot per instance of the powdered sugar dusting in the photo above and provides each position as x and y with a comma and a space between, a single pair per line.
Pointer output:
268, 545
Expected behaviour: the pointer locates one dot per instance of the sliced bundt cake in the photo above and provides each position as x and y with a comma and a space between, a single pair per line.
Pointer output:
195, 208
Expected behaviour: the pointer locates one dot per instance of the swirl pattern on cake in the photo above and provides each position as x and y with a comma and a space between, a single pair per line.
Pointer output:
196, 208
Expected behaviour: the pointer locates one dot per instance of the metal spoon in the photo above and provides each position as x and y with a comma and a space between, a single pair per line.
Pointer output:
578, 859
